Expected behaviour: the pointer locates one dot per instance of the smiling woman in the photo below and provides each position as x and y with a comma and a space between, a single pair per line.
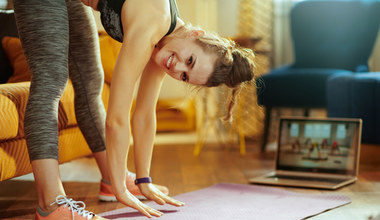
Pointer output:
156, 42
59, 34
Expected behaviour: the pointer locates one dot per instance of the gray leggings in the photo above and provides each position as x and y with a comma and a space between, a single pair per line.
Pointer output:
60, 37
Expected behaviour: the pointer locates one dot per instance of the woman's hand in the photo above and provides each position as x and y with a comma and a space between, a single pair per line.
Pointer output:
130, 200
151, 192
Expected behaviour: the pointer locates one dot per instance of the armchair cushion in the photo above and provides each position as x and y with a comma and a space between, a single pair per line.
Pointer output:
109, 49
18, 95
13, 49
302, 87
10, 118
357, 96
339, 95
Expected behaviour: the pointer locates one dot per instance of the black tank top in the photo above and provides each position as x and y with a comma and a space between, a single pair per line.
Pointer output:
110, 15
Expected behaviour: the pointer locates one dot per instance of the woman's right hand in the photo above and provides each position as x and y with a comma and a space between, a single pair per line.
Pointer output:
151, 192
130, 200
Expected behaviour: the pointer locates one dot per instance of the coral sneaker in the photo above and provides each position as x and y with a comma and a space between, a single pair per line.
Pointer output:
68, 210
106, 194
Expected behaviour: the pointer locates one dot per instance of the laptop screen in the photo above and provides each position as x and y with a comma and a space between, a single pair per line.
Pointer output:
318, 145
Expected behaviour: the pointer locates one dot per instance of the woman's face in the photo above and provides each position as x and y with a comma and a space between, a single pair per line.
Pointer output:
185, 60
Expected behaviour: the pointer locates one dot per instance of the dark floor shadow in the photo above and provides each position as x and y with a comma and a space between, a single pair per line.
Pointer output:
16, 213
133, 214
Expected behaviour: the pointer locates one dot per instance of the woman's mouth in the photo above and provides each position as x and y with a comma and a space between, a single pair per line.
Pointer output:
169, 61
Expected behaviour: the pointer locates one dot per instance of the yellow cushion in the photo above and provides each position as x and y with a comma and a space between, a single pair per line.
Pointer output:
72, 145
67, 103
175, 115
9, 118
14, 159
13, 49
109, 51
12, 46
18, 94
106, 95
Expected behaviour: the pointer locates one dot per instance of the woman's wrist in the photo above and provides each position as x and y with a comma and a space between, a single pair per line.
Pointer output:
143, 180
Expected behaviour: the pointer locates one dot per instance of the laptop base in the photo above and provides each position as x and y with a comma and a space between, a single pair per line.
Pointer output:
304, 182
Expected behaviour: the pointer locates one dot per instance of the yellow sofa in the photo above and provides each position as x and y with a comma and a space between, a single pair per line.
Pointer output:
172, 114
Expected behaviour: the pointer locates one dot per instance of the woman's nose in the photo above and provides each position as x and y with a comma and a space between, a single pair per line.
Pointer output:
180, 67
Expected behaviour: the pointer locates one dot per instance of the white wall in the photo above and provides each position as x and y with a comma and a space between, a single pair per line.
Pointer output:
227, 17
202, 13
374, 61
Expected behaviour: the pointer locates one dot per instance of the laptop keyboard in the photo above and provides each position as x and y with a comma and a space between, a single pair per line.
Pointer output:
314, 179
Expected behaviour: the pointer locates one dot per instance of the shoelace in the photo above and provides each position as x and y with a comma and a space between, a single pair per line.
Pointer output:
74, 206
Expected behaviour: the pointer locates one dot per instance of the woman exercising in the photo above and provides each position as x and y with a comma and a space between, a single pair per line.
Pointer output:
59, 35
156, 42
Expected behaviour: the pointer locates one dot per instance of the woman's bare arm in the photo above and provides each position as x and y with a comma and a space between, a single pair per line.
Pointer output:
144, 130
130, 63
144, 118
142, 31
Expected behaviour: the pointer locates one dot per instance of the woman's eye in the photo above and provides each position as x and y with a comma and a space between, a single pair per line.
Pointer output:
190, 60
184, 77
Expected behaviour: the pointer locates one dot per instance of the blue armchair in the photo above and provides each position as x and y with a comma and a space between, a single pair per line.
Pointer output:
329, 37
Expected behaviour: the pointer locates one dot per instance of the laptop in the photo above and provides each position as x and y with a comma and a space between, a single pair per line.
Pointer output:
315, 153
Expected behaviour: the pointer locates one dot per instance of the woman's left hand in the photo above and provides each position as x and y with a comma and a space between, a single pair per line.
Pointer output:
151, 192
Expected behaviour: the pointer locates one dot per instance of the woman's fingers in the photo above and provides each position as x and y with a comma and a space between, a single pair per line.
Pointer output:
131, 201
147, 210
143, 211
161, 198
158, 200
171, 201
152, 211
151, 192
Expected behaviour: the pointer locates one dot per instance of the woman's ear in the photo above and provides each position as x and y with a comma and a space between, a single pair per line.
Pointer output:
196, 33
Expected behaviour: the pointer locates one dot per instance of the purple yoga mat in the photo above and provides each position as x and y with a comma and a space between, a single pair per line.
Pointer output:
236, 201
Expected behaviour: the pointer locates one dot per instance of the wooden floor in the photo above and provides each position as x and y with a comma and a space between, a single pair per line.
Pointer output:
177, 168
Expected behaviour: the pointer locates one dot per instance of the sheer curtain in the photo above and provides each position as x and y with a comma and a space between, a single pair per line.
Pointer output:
3, 4
282, 43
374, 61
